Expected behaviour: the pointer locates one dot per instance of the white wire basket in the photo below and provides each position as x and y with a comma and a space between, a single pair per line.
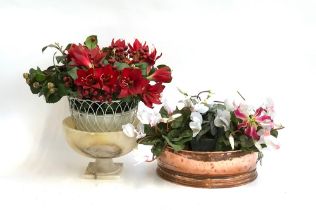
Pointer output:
96, 116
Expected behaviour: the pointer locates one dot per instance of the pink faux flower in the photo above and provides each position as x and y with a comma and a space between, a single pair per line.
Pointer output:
250, 123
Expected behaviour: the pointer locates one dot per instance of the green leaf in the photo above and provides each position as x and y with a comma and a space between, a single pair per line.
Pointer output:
203, 131
91, 42
161, 66
53, 98
35, 90
73, 73
187, 133
51, 45
60, 58
40, 76
177, 136
183, 141
245, 142
176, 147
177, 123
274, 133
150, 140
105, 62
163, 112
174, 133
157, 149
143, 67
61, 90
121, 66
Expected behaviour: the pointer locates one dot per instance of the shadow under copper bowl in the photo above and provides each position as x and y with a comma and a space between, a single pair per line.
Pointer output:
208, 169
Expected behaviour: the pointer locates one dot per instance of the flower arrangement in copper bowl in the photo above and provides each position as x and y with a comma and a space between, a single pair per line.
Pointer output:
207, 144
119, 71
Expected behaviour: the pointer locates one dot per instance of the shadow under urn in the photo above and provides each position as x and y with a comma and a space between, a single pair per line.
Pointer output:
208, 169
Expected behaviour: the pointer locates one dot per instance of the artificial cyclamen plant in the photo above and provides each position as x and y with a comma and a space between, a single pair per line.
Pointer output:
197, 125
119, 71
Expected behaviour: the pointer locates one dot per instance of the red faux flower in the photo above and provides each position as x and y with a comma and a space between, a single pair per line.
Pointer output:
162, 74
151, 58
97, 84
82, 56
108, 78
151, 94
140, 53
87, 79
132, 82
79, 55
96, 56
138, 46
118, 44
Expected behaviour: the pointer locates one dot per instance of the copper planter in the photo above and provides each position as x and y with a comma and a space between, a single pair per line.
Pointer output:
208, 169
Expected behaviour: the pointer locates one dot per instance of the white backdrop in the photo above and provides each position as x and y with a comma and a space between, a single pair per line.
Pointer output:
261, 48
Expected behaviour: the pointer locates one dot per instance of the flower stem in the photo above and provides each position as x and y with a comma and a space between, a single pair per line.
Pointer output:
241, 95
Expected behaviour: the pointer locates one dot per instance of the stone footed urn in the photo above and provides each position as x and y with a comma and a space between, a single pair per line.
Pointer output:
95, 131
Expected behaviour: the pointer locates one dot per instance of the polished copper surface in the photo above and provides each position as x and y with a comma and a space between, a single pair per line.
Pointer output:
208, 169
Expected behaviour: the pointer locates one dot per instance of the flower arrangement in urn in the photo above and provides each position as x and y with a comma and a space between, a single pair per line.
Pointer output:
104, 86
207, 144
119, 71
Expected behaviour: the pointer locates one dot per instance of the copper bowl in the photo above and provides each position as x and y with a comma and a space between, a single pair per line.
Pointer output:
208, 169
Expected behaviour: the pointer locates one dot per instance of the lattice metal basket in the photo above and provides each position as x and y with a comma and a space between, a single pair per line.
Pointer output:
96, 116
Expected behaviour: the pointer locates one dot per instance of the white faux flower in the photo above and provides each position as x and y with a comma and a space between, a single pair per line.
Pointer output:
184, 103
195, 127
231, 141
230, 106
169, 105
196, 124
270, 107
222, 119
129, 130
267, 138
196, 117
245, 109
140, 133
201, 108
148, 116
171, 118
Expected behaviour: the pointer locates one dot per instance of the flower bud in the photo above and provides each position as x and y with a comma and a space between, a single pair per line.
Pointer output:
26, 75
50, 85
52, 90
101, 98
67, 84
28, 81
85, 92
66, 79
36, 85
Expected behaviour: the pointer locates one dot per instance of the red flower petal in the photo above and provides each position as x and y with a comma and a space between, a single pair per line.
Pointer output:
242, 125
251, 131
263, 118
259, 111
162, 75
151, 94
240, 115
79, 55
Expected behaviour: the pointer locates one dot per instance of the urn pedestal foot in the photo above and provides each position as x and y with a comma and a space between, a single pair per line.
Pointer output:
103, 169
